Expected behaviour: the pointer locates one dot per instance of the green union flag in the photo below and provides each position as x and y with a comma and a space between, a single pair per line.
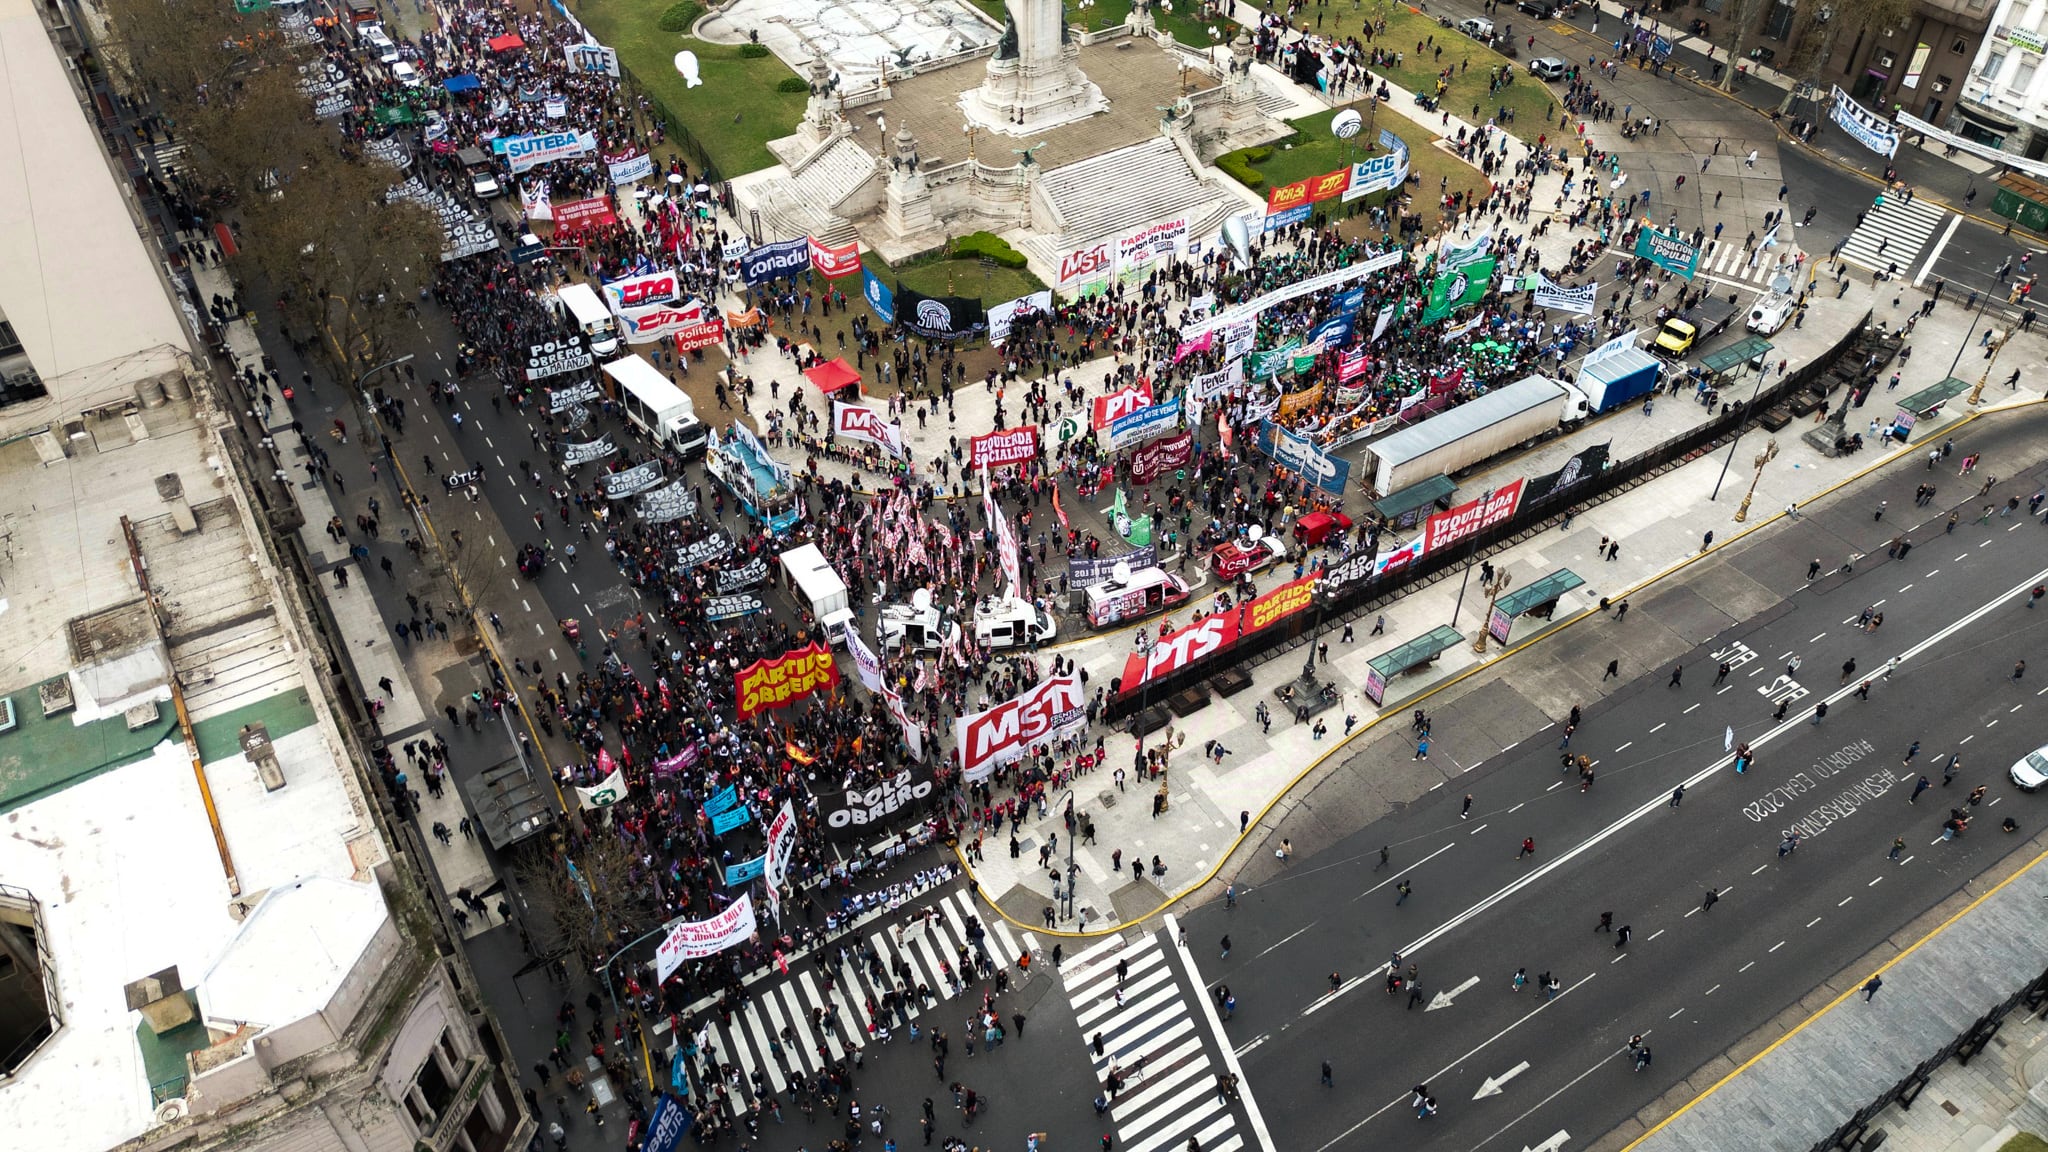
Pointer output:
1457, 288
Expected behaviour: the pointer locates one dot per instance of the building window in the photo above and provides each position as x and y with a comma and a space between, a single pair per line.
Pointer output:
28, 1003
2023, 77
10, 344
1960, 47
1778, 23
1992, 64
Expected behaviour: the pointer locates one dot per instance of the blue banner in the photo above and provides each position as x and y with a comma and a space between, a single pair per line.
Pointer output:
667, 1127
745, 870
1280, 220
1302, 455
723, 822
782, 258
879, 297
1351, 300
1332, 334
1381, 172
1157, 420
1870, 130
722, 800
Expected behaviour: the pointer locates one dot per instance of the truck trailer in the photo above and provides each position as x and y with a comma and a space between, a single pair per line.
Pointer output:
1460, 437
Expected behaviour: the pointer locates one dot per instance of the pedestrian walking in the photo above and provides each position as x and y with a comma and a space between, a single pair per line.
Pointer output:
1881, 506
1870, 988
1950, 767
1328, 1082
1721, 673
1677, 671
1226, 948
1713, 897
1678, 796
1912, 750
1898, 846
1923, 785
1528, 847
2018, 670
1622, 935
1404, 889
1613, 671
1466, 812
1606, 923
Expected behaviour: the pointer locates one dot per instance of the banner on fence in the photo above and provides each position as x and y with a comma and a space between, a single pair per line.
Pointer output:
1472, 517
1214, 633
768, 261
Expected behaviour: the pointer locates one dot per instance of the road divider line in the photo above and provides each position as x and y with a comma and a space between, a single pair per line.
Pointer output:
1251, 1106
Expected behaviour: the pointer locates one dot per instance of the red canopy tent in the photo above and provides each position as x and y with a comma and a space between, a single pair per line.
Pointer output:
832, 376
507, 42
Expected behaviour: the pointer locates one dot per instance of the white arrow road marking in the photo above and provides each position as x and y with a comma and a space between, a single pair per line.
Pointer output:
1493, 1084
1443, 999
1551, 1145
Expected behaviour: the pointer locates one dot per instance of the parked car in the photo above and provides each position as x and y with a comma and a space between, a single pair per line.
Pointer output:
1548, 68
1541, 9
379, 44
1477, 27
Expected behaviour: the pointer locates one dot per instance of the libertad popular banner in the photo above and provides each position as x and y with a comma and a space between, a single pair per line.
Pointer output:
859, 422
1005, 446
1447, 528
832, 263
783, 681
1007, 731
696, 939
1214, 633
1668, 252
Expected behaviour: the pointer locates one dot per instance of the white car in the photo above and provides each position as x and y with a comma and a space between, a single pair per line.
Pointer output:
373, 38
2032, 770
1477, 27
1549, 68
406, 74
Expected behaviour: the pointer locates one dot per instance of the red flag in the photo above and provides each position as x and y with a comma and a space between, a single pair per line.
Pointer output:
1059, 511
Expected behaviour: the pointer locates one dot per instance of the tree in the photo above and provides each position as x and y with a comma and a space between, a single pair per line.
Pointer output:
1827, 22
1739, 16
605, 903
347, 261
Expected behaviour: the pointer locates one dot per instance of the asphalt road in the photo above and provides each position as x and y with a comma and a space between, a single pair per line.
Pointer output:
1955, 608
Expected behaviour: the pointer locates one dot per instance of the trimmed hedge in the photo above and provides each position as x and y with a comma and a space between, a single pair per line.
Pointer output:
793, 84
1238, 166
680, 16
752, 51
987, 245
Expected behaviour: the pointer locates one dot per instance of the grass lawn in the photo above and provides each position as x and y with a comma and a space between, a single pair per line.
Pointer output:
930, 275
1470, 61
2025, 1142
1314, 151
1110, 13
731, 116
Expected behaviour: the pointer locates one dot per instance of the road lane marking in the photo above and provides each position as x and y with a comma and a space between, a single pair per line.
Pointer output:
1759, 868
1296, 932
1812, 922
1654, 935
1775, 947
1845, 900
1478, 830
1518, 807
1745, 968
1230, 1061
1816, 639
1875, 882
1658, 728
1689, 711
1630, 744
1711, 991
1939, 245
1674, 1015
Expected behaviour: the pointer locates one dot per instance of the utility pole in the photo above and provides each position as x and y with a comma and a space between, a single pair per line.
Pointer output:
1493, 588
1764, 457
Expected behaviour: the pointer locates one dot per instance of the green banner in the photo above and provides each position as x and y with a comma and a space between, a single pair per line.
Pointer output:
388, 114
1457, 288
247, 6
1668, 252
1268, 364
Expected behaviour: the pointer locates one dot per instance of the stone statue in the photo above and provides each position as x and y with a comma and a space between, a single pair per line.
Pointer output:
1006, 48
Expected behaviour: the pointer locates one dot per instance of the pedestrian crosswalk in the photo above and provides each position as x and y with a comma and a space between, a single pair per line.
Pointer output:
1149, 1033
1726, 261
1893, 234
795, 1026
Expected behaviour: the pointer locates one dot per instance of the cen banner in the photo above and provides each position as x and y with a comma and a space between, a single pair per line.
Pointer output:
783, 681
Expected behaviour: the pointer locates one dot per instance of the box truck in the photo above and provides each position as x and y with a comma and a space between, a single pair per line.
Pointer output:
1460, 437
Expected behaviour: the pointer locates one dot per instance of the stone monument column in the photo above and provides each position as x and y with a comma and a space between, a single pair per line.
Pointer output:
1034, 80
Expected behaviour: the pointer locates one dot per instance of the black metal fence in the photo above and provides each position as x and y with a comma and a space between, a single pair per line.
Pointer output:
1534, 515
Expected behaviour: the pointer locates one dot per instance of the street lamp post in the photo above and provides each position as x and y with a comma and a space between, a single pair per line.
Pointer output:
1066, 894
1762, 367
1764, 457
1493, 588
1990, 357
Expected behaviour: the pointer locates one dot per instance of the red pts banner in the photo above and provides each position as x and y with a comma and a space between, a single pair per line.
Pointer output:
1005, 446
1014, 727
700, 336
1215, 633
1121, 403
832, 263
577, 215
783, 681
1157, 457
1447, 528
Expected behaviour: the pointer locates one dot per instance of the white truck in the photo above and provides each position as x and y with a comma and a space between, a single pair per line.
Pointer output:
657, 407
819, 585
591, 318
1010, 622
1134, 595
919, 626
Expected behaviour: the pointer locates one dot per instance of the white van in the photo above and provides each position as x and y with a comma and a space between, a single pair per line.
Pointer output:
592, 318
1146, 592
657, 407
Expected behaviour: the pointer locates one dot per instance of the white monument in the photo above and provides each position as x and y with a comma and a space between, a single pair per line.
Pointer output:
1034, 80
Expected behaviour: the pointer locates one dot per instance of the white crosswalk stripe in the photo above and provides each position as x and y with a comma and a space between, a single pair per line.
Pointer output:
1725, 260
1894, 233
1176, 1096
752, 1040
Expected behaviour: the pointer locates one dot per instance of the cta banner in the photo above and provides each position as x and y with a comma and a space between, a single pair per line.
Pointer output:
1550, 294
783, 681
696, 939
782, 258
855, 814
648, 288
832, 263
583, 215
1085, 264
1668, 252
1003, 316
1004, 446
879, 297
1302, 455
859, 422
941, 317
1156, 459
646, 325
1213, 634
524, 153
556, 357
1006, 732
1121, 403
1472, 517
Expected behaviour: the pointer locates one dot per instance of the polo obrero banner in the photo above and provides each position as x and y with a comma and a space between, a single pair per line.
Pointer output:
939, 317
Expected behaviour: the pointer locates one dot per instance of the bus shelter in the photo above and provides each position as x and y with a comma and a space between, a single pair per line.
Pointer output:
1721, 366
1926, 404
1416, 653
1406, 508
1537, 600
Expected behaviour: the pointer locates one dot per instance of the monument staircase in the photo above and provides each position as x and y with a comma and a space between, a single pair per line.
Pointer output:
806, 202
1116, 193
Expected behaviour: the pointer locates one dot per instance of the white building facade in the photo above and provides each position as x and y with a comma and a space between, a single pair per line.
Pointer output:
2005, 99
